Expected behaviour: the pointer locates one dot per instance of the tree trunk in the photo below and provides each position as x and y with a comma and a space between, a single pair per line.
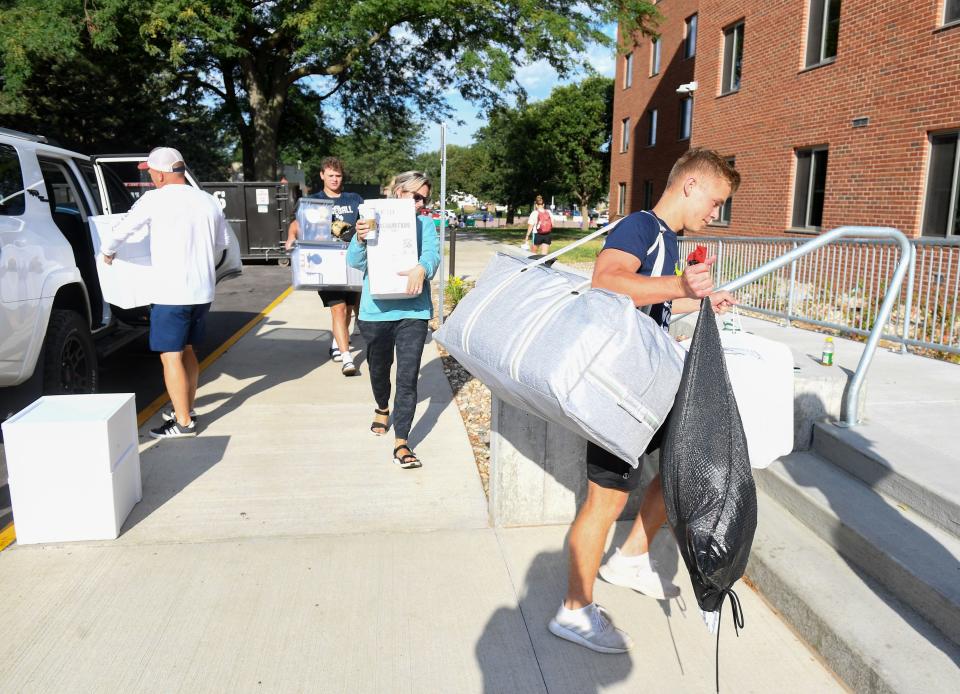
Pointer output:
266, 95
585, 212
510, 213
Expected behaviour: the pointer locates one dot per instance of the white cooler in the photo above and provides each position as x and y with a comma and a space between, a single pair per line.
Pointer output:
323, 265
74, 467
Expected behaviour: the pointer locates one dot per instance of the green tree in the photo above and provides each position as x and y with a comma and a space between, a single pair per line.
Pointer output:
466, 168
575, 126
363, 56
378, 149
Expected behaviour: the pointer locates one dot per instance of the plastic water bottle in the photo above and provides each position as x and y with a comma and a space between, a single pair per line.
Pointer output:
827, 357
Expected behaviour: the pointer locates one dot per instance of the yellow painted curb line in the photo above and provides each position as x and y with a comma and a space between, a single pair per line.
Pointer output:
147, 412
7, 536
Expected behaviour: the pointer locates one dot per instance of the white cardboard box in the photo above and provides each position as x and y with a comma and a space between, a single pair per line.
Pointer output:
394, 249
128, 281
323, 266
74, 467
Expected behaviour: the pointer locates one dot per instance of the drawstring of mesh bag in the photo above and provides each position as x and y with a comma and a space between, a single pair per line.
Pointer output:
737, 612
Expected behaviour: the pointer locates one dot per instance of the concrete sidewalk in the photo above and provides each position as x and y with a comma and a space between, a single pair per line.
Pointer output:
281, 551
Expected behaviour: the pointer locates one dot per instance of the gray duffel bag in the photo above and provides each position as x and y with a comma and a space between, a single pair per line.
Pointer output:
542, 340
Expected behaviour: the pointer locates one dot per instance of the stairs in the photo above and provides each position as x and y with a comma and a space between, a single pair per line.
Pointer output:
864, 561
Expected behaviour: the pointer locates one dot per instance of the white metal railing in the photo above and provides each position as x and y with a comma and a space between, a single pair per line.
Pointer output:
851, 410
841, 286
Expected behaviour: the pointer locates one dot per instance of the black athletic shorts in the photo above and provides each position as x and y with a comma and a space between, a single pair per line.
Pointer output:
539, 239
610, 472
332, 297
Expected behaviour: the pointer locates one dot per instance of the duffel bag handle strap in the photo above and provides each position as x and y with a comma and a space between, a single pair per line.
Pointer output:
576, 244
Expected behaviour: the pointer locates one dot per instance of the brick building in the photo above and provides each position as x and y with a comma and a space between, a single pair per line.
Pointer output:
835, 112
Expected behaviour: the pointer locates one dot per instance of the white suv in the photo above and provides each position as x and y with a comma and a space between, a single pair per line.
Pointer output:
53, 309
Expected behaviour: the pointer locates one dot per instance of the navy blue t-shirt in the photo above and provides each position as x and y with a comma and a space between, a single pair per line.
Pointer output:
346, 207
637, 234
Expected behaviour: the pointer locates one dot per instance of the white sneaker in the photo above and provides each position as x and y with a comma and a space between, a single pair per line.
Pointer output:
639, 573
591, 627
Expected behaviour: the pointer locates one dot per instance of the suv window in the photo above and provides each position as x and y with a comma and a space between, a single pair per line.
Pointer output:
90, 176
11, 182
61, 188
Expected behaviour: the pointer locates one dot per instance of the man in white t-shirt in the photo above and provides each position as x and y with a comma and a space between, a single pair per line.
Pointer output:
187, 232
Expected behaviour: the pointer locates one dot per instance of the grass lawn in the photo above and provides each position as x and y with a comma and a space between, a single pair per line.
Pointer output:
586, 253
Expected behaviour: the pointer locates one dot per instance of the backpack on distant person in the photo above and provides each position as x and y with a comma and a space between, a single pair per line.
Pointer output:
544, 222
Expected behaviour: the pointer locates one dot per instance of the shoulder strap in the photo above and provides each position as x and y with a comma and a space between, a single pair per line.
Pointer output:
659, 246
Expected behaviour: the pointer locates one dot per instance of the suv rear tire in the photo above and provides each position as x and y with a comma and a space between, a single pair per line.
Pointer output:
70, 358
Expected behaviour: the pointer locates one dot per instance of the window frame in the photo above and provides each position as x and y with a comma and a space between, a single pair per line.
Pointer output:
621, 198
690, 37
686, 118
655, 57
653, 116
810, 183
947, 20
726, 209
648, 194
953, 205
625, 134
628, 70
821, 9
735, 30
20, 193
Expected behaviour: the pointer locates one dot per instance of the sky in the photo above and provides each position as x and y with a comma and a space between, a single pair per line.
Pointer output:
538, 79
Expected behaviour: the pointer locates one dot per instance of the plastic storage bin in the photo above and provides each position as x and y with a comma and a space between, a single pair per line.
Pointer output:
318, 265
74, 467
314, 218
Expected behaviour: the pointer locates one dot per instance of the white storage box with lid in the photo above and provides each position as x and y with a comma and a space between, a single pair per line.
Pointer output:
74, 467
318, 265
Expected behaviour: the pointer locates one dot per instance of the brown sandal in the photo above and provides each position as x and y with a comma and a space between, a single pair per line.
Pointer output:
380, 428
408, 460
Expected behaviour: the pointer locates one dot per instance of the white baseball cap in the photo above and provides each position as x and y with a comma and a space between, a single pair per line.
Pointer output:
163, 159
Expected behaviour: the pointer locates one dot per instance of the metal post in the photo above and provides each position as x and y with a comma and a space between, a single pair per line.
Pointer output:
793, 282
443, 221
911, 271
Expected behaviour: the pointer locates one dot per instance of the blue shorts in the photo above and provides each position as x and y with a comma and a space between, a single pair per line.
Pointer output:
174, 327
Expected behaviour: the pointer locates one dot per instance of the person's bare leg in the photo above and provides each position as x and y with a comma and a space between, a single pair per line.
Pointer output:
192, 367
588, 536
652, 516
178, 384
339, 315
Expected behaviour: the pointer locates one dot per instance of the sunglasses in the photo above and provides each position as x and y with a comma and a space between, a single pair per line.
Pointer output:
419, 198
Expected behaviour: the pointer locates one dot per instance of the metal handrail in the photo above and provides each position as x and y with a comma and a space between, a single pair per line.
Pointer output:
850, 417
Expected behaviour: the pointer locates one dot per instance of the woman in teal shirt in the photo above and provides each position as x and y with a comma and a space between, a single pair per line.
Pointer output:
398, 325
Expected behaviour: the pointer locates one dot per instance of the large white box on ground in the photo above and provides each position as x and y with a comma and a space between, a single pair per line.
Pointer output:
394, 249
323, 266
74, 467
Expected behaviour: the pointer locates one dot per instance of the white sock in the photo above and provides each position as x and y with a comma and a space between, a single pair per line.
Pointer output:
578, 616
633, 560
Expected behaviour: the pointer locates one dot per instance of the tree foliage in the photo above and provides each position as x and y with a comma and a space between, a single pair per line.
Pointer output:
362, 57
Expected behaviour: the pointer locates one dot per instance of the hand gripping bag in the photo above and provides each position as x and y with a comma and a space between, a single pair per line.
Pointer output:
708, 488
542, 340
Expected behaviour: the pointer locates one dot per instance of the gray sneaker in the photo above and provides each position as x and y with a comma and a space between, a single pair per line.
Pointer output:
594, 630
169, 415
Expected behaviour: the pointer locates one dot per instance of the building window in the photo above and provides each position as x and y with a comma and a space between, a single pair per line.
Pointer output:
686, 117
621, 199
11, 182
628, 71
726, 209
655, 57
652, 130
732, 58
808, 193
625, 135
648, 195
941, 214
823, 31
690, 39
951, 11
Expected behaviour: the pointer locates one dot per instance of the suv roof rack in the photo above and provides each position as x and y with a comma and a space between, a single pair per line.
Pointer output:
24, 136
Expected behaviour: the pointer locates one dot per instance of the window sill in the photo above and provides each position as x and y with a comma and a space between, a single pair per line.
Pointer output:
729, 93
805, 231
822, 63
948, 26
683, 139
720, 225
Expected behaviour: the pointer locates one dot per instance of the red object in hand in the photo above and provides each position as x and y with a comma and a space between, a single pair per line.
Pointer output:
698, 256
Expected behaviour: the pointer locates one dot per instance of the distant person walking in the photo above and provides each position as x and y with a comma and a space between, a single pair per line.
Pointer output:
187, 234
539, 226
398, 325
346, 211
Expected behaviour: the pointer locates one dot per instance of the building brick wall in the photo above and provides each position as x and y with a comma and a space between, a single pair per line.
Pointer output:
895, 65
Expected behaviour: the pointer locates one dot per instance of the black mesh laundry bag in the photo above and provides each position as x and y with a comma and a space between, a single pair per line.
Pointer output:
708, 488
